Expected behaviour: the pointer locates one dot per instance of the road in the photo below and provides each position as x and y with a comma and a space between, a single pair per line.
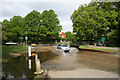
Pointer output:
82, 64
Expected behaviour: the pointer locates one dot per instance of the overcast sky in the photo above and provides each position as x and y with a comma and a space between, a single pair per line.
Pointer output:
63, 8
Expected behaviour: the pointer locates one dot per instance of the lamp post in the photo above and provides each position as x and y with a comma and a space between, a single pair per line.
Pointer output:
21, 32
26, 38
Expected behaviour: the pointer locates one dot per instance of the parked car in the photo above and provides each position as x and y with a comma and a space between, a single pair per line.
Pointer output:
10, 43
64, 47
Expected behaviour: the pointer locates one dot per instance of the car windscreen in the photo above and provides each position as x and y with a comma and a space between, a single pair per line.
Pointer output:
63, 45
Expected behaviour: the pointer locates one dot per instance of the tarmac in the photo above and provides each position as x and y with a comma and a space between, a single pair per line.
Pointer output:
77, 65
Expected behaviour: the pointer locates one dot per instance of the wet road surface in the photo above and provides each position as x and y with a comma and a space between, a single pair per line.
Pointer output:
75, 61
73, 64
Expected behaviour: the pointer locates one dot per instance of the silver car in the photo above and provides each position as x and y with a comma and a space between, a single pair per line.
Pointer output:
64, 47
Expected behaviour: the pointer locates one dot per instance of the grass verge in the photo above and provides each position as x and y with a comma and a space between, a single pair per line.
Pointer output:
6, 50
101, 49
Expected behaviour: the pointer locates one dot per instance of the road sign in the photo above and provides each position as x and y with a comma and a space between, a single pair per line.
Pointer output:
26, 38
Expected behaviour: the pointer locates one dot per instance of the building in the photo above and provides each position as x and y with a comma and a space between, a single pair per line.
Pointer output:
62, 35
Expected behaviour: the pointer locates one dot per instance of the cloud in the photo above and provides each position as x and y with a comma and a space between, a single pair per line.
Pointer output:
45, 0
66, 25
11, 9
63, 8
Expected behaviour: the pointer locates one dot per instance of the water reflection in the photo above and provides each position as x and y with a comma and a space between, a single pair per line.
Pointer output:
29, 63
44, 56
17, 68
22, 67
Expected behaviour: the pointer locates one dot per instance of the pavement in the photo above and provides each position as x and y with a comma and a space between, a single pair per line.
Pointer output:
113, 48
82, 73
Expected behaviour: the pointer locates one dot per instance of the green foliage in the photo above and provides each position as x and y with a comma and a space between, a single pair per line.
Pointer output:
95, 20
33, 28
70, 36
4, 33
0, 30
51, 22
113, 38
12, 29
37, 77
38, 27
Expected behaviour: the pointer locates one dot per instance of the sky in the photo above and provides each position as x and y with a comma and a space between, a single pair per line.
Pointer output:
63, 8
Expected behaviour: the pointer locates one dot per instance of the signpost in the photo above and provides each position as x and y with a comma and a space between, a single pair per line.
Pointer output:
26, 38
29, 51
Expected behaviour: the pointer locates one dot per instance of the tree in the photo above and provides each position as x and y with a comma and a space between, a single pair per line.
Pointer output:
43, 26
38, 27
51, 22
4, 34
33, 28
70, 36
94, 20
113, 17
12, 29
0, 31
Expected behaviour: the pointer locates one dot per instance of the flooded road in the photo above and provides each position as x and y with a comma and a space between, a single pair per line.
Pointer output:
73, 64
94, 64
98, 60
75, 59
24, 67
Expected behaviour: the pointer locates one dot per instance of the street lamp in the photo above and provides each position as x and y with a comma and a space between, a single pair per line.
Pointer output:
21, 32
26, 38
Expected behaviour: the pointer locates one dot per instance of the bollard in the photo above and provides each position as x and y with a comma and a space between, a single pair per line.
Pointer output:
38, 67
29, 51
36, 57
29, 64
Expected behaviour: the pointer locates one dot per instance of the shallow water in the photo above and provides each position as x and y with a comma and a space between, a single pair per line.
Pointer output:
98, 60
24, 67
83, 59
